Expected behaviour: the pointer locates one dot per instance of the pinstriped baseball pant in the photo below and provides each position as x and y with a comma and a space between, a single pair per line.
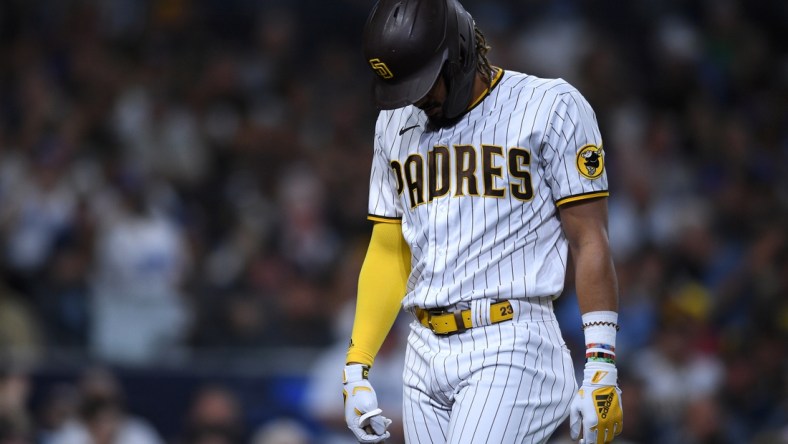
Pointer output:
505, 383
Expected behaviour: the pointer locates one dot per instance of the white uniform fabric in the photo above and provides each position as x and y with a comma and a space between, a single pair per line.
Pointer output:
467, 246
478, 207
511, 382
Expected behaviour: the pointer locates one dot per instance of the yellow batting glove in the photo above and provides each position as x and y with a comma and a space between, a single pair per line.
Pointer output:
596, 414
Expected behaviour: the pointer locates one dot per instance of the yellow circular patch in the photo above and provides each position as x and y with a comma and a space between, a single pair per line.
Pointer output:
590, 161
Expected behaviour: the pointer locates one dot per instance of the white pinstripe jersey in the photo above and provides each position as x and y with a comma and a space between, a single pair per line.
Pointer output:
478, 200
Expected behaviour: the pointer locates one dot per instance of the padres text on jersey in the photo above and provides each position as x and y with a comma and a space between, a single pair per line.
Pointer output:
478, 200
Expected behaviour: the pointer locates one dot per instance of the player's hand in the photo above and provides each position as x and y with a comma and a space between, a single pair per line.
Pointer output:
362, 414
596, 414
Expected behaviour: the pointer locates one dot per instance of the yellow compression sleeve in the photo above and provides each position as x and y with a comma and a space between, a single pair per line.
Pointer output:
381, 286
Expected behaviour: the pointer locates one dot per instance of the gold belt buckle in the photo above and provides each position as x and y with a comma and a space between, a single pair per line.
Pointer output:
432, 312
458, 322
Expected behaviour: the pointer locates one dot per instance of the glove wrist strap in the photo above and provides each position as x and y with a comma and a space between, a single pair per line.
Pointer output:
355, 373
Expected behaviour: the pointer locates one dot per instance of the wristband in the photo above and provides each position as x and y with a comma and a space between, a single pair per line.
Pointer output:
600, 357
600, 329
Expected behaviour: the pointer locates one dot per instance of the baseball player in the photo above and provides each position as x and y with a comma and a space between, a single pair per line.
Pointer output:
483, 181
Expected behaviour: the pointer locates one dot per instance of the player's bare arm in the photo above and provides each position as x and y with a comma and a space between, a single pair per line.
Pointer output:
585, 225
595, 414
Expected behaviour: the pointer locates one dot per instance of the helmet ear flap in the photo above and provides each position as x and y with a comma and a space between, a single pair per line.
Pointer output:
459, 70
462, 58
458, 92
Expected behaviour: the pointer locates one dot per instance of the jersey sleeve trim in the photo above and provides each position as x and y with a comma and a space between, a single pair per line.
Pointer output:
584, 196
384, 219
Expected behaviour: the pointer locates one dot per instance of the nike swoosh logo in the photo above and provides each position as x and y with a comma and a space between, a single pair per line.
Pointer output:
406, 129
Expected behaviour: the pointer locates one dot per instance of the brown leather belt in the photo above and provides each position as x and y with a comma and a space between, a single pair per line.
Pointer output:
443, 322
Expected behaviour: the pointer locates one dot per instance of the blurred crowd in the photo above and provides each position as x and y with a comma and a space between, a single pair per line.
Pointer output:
184, 181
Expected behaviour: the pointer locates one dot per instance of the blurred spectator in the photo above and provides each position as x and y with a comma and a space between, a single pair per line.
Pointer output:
753, 396
38, 206
59, 406
702, 423
641, 425
21, 338
161, 138
16, 423
305, 321
214, 416
139, 311
101, 416
675, 374
307, 238
281, 431
234, 319
62, 296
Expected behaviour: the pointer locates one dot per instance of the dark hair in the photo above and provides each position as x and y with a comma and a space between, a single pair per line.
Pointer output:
482, 64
